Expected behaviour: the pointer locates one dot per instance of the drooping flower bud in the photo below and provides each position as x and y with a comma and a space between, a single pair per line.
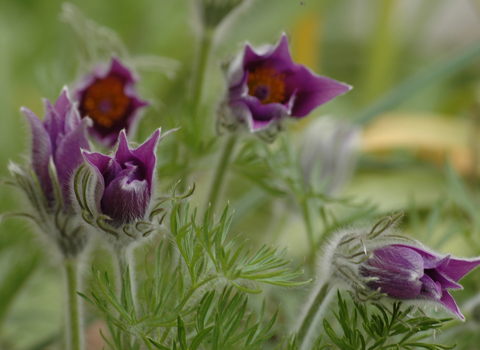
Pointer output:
56, 154
377, 262
329, 153
265, 86
115, 193
108, 97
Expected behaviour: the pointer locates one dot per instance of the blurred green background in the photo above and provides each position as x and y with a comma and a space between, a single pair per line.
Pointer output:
414, 65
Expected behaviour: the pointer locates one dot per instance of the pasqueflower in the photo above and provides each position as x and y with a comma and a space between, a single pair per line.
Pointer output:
413, 273
265, 86
108, 97
125, 180
56, 154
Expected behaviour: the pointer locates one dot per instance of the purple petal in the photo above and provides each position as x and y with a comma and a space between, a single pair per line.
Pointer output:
397, 270
125, 201
118, 68
41, 152
123, 153
313, 90
430, 287
146, 154
62, 104
53, 123
445, 282
457, 268
448, 301
266, 112
68, 157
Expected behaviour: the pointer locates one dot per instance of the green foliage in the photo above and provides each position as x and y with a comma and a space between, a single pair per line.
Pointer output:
381, 328
190, 267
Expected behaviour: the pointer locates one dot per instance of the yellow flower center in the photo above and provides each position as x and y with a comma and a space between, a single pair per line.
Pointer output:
267, 85
105, 101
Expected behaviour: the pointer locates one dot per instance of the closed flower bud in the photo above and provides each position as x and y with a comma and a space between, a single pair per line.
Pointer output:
265, 86
379, 262
56, 154
119, 191
329, 154
108, 97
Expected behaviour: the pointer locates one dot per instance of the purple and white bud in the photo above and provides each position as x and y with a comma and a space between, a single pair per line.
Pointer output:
378, 262
115, 193
265, 87
56, 154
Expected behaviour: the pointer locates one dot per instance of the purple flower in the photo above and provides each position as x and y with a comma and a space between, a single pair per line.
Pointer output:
60, 137
407, 272
125, 180
108, 97
266, 86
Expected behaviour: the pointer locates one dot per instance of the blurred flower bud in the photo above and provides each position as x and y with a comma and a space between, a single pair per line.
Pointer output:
115, 193
329, 153
377, 262
212, 12
265, 86
108, 97
56, 154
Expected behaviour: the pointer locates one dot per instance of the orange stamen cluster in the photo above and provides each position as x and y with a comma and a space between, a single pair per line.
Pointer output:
105, 101
267, 85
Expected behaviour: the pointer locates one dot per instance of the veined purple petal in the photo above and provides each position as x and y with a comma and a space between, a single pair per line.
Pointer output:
146, 154
68, 157
126, 201
41, 152
457, 268
313, 91
448, 301
430, 287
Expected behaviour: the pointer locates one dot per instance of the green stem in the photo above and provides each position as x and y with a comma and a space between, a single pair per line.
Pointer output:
125, 262
73, 338
201, 69
220, 172
313, 316
310, 231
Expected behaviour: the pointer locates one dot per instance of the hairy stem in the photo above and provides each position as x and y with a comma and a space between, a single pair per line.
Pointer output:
74, 339
310, 231
313, 315
201, 68
220, 172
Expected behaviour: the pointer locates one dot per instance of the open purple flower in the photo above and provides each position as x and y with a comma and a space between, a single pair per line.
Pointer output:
266, 86
108, 97
60, 137
407, 272
125, 180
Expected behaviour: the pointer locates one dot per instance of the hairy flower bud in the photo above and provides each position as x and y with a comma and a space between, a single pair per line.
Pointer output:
115, 193
108, 97
265, 86
56, 154
329, 153
379, 262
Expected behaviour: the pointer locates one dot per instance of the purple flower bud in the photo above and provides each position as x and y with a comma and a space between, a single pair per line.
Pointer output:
265, 86
125, 180
108, 97
408, 272
60, 137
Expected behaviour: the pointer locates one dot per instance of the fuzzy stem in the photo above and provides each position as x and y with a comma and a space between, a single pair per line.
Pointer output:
310, 231
313, 315
125, 261
74, 340
220, 171
201, 69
